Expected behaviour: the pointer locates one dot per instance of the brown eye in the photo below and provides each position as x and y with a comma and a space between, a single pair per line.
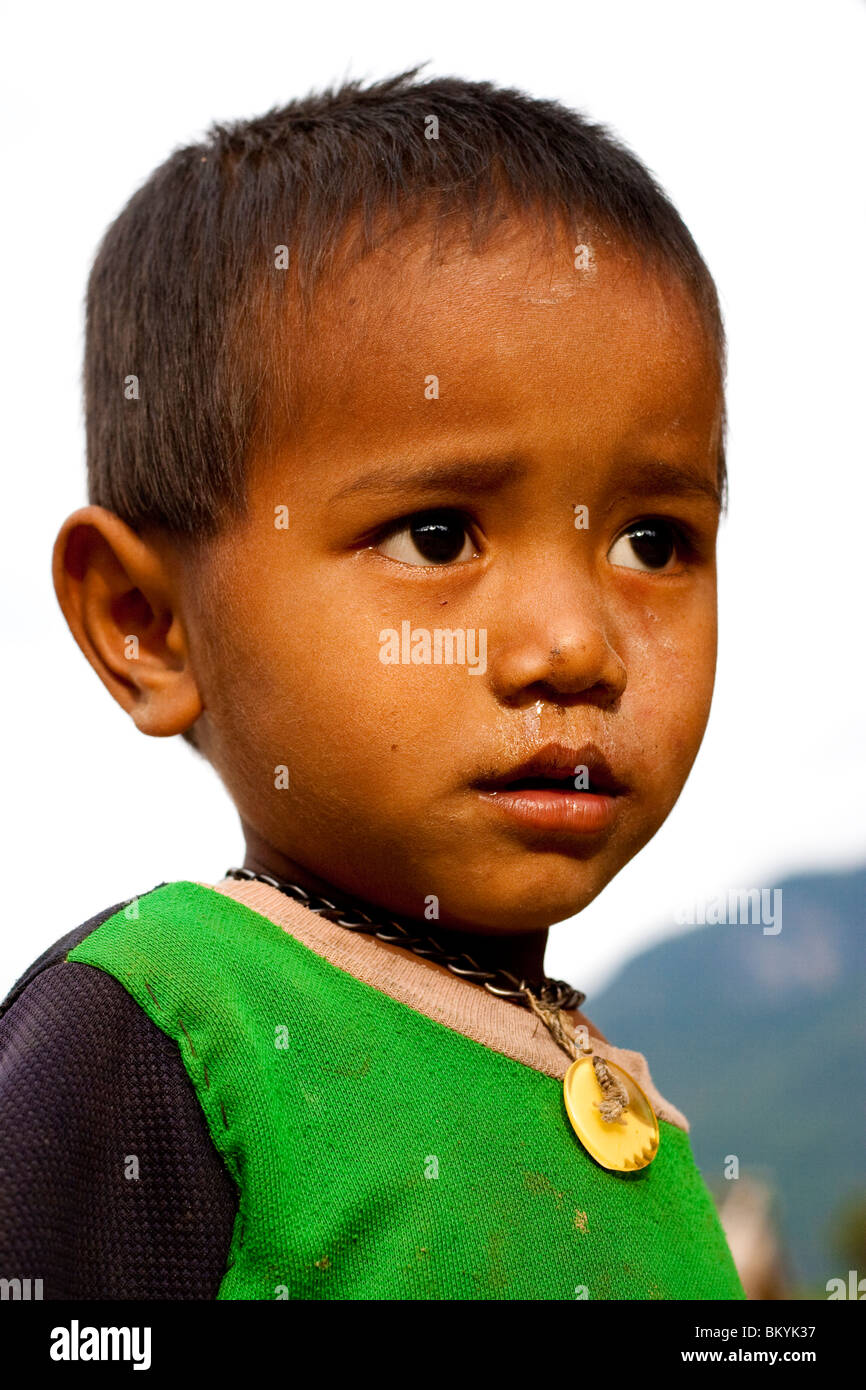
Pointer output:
647, 545
430, 538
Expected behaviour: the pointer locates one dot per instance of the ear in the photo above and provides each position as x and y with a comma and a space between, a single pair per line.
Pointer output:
117, 596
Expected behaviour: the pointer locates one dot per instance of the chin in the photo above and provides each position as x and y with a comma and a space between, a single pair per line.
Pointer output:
538, 899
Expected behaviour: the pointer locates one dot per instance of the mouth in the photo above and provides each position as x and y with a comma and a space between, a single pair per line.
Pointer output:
559, 789
558, 768
555, 783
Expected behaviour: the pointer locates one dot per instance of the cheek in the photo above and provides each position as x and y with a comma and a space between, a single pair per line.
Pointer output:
671, 671
307, 688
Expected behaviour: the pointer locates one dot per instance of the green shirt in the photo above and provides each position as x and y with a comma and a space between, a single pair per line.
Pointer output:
380, 1154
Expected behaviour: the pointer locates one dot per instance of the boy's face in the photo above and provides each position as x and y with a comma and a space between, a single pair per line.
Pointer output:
558, 388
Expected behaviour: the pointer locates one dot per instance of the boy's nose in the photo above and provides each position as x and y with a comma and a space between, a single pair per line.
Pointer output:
562, 646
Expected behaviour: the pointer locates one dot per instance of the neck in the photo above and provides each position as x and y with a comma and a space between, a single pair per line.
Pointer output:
520, 953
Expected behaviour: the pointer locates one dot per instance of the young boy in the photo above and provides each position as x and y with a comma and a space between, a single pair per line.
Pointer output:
405, 455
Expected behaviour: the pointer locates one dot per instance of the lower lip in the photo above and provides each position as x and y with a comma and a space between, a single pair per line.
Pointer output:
580, 813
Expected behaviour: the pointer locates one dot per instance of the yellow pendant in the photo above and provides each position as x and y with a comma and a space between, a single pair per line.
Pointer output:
622, 1145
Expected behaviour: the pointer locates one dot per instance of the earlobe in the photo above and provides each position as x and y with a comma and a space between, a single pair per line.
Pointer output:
117, 596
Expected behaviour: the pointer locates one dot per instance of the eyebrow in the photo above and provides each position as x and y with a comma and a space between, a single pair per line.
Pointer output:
489, 475
674, 479
484, 475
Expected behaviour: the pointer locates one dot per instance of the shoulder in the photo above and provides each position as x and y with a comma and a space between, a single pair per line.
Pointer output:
58, 952
109, 1183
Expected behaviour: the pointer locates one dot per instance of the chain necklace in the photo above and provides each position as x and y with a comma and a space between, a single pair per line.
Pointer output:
608, 1111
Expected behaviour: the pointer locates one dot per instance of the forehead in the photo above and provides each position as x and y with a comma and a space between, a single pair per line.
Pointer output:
579, 339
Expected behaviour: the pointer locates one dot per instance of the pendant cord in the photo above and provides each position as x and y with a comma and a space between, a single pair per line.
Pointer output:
562, 1030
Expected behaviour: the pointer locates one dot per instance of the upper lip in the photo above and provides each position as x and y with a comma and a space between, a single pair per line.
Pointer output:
559, 762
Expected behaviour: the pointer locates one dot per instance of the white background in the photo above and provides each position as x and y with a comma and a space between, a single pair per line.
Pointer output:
752, 116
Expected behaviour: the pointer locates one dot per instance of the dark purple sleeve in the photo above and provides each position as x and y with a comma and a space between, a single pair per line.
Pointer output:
110, 1186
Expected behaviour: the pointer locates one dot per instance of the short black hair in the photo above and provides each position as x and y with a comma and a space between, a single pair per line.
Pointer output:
182, 277
186, 301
